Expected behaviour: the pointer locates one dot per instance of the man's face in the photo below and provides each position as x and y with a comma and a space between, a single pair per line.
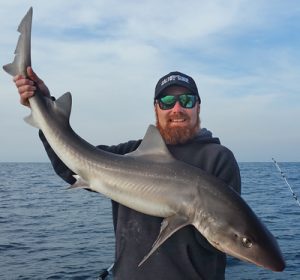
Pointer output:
177, 125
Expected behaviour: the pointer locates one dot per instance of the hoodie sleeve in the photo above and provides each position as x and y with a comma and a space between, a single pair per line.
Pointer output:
59, 167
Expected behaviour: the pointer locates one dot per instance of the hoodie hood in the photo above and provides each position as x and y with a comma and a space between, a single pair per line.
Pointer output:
205, 136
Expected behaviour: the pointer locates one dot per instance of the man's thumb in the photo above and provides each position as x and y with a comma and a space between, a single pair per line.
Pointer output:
32, 75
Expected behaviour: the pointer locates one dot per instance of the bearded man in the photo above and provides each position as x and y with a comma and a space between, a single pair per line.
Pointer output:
186, 254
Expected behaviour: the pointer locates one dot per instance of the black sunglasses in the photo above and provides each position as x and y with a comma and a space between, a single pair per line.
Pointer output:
186, 101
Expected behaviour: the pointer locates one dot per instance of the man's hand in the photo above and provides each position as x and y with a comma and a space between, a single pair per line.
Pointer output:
27, 86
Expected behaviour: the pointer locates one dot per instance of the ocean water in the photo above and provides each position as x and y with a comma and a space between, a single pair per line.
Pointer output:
50, 232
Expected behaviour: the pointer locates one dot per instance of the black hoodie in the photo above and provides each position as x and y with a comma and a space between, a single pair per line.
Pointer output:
186, 254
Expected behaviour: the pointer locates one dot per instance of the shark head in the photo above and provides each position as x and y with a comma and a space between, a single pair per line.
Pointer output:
238, 232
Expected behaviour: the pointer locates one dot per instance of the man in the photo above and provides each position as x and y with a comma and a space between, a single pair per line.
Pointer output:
186, 254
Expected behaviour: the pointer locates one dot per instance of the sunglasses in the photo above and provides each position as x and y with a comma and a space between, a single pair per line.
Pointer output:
186, 101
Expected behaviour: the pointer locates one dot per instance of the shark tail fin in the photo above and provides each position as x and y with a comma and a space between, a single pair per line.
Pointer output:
11, 68
22, 57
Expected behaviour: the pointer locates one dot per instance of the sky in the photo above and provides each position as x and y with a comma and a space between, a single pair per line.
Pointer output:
243, 54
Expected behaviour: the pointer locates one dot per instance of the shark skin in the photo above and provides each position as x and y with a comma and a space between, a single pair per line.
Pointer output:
150, 180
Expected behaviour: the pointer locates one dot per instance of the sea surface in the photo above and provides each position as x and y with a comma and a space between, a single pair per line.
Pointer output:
50, 232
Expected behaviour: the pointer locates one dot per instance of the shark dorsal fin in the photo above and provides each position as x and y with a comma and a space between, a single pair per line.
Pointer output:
152, 147
61, 108
63, 105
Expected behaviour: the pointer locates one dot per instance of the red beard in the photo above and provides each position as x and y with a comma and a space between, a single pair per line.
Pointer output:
178, 135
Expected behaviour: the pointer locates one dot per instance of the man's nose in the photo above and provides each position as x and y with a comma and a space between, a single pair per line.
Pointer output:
177, 107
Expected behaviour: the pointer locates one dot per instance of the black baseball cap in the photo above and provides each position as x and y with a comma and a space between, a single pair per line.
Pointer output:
176, 79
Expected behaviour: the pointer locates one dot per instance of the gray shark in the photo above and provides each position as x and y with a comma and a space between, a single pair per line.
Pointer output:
150, 180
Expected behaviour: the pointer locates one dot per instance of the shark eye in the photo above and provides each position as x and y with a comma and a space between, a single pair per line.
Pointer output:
247, 242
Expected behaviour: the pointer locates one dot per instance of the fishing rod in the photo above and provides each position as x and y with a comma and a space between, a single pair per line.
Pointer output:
105, 272
286, 181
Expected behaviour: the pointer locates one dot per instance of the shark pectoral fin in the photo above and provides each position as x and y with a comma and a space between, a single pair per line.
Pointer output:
168, 226
80, 183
